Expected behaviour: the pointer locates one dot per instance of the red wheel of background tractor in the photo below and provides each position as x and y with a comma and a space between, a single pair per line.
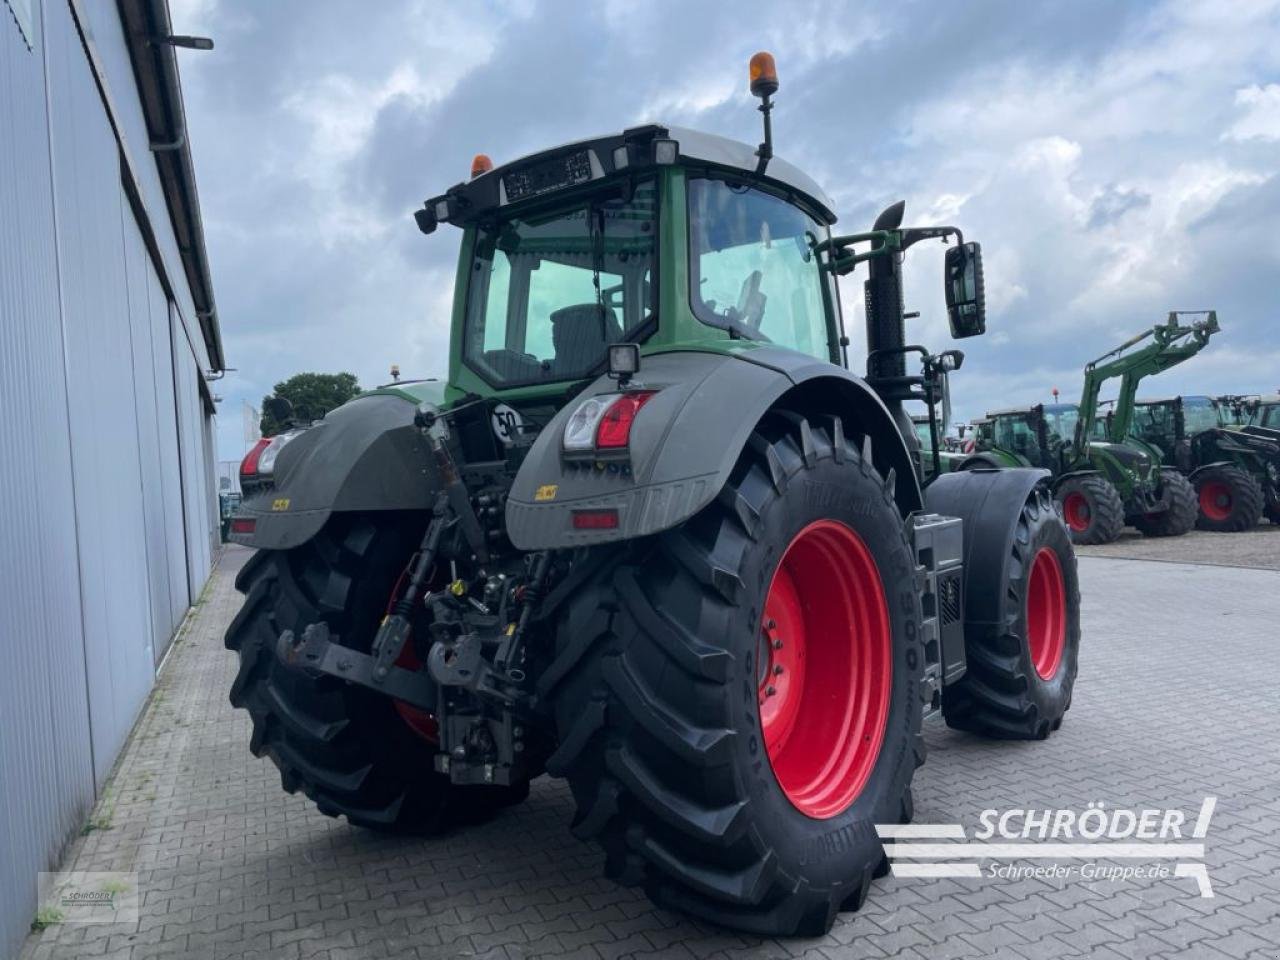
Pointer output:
1215, 500
825, 669
1075, 510
1228, 499
1046, 613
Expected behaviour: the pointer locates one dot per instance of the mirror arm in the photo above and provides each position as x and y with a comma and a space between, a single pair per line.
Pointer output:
841, 260
914, 235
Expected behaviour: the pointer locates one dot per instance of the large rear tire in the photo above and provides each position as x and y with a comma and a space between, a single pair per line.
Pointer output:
1181, 508
1230, 499
705, 679
1020, 673
1091, 508
350, 750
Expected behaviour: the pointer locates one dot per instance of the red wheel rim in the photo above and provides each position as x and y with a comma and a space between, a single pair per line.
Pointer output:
421, 722
825, 669
1046, 613
1075, 510
1215, 499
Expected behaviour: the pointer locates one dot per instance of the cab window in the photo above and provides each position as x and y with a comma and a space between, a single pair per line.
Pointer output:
754, 271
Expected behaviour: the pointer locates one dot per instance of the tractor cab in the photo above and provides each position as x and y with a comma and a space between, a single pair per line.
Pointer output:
659, 236
1264, 412
1169, 425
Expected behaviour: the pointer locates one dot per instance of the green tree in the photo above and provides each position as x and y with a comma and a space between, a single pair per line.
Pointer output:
312, 396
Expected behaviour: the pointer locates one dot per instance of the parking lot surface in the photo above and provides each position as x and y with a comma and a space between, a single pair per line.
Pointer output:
1175, 701
1259, 547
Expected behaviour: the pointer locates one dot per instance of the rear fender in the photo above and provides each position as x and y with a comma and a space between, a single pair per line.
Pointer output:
367, 455
686, 440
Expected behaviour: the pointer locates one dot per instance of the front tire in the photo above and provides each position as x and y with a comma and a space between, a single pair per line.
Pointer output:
1092, 509
695, 783
1230, 499
348, 749
1020, 674
1181, 508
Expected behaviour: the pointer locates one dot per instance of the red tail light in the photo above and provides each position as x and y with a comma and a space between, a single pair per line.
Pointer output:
249, 465
595, 519
243, 524
614, 431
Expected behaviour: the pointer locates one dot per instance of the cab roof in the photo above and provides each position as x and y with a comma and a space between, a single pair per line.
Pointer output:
539, 175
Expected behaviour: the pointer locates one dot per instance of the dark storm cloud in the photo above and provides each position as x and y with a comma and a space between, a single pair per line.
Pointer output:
1112, 158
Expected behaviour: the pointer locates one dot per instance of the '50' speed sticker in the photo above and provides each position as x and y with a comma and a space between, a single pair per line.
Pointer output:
507, 424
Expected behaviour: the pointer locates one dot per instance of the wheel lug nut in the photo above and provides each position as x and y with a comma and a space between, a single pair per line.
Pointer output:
771, 624
777, 644
777, 671
769, 691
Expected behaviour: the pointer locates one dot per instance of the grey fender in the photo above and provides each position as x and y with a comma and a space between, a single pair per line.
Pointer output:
364, 456
988, 503
686, 440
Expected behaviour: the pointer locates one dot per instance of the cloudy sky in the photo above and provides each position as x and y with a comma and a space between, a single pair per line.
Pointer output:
1116, 160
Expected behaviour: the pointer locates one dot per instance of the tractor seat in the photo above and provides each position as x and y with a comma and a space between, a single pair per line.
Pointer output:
580, 334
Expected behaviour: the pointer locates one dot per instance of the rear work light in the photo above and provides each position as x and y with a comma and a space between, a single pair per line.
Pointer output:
603, 422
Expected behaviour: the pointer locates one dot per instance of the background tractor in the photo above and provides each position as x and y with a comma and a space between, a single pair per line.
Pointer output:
1263, 412
1234, 469
1103, 477
653, 537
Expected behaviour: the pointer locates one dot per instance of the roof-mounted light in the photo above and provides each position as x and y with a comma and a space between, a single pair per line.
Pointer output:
480, 164
764, 75
665, 151
442, 210
621, 158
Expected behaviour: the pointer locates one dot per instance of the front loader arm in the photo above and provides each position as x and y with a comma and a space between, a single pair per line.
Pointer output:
1170, 343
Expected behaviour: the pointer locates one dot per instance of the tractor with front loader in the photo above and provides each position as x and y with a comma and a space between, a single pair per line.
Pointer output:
652, 536
1103, 477
1235, 469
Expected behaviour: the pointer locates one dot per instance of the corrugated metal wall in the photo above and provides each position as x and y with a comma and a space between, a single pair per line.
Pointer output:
46, 769
108, 470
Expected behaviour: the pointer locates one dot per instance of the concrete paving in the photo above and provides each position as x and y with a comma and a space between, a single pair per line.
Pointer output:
1176, 701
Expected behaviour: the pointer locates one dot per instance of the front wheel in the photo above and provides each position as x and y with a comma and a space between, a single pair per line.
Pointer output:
1020, 673
1230, 499
1179, 515
1092, 509
737, 700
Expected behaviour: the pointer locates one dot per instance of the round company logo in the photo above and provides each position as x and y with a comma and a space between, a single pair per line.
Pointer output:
507, 424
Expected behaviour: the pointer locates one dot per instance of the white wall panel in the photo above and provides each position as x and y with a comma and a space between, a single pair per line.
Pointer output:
89, 205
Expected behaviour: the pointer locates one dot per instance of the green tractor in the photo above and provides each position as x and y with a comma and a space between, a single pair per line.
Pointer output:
653, 537
1235, 470
1103, 477
1263, 412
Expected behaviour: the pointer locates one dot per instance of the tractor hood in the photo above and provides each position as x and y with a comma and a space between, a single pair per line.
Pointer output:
1139, 460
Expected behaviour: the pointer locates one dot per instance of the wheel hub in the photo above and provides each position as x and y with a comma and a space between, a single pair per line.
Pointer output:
1076, 511
1215, 500
824, 669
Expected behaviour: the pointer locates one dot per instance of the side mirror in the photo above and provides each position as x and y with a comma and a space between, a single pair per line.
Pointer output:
966, 296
